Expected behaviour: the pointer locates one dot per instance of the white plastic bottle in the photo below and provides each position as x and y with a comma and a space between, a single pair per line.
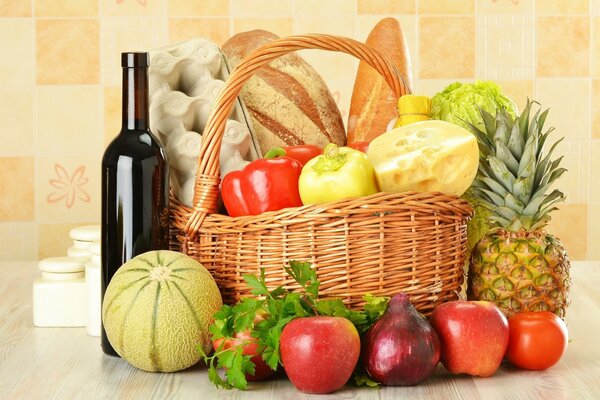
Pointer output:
60, 295
92, 280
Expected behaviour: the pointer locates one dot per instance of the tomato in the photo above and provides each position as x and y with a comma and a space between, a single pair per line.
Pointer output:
261, 370
360, 146
537, 340
302, 153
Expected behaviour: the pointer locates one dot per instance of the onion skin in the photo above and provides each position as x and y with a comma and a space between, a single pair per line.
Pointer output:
401, 348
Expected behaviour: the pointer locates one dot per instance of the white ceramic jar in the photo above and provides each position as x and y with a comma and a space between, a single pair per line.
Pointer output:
92, 280
82, 237
60, 295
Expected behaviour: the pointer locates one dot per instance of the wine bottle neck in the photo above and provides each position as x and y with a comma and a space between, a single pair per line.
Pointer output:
135, 98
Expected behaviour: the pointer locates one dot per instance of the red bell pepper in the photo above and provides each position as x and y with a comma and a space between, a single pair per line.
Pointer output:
303, 152
266, 184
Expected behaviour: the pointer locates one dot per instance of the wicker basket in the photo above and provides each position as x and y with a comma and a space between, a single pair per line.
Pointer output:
380, 244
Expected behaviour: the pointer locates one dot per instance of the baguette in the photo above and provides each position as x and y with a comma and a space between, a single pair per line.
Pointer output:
373, 103
288, 101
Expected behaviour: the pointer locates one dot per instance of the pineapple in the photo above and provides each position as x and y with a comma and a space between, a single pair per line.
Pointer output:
517, 265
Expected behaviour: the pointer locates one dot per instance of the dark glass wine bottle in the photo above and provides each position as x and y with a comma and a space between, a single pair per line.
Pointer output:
135, 181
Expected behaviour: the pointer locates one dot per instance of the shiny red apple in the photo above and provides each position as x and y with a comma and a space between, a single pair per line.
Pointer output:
319, 353
473, 334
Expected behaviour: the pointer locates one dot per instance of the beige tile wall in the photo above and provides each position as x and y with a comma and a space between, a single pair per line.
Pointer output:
60, 86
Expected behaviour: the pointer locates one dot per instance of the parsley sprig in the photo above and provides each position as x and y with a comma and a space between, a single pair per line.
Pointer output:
277, 308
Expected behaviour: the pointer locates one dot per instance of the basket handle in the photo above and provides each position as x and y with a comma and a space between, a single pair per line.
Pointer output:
206, 189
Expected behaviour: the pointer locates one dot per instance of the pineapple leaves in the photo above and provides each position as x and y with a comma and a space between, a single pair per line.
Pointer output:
547, 179
534, 130
516, 170
534, 206
502, 133
542, 119
506, 156
485, 144
514, 203
494, 186
553, 198
543, 165
556, 174
516, 142
493, 197
507, 213
529, 154
501, 173
523, 189
488, 120
524, 120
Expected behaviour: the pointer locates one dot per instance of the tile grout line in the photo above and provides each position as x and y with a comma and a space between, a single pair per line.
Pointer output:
100, 140
36, 194
230, 19
591, 134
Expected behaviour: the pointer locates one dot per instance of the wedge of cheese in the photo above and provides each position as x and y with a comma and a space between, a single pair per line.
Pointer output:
427, 156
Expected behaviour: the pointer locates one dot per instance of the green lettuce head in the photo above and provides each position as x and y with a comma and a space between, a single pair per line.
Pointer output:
459, 103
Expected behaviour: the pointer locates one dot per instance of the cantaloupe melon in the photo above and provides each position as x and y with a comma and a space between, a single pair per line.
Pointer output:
157, 309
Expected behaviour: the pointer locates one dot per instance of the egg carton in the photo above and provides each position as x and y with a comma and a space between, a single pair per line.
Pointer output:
184, 81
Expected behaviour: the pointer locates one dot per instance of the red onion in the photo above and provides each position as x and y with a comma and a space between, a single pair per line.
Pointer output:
401, 348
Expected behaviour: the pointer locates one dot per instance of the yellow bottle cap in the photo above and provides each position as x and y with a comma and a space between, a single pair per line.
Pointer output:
414, 104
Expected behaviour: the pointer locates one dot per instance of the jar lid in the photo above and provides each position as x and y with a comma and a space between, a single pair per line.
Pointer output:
95, 248
86, 233
62, 265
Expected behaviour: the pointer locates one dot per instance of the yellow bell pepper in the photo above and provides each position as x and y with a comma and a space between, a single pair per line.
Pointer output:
340, 173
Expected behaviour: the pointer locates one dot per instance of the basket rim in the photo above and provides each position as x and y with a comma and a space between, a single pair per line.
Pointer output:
378, 203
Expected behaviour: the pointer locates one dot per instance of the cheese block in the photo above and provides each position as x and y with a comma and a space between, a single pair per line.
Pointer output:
427, 156
288, 101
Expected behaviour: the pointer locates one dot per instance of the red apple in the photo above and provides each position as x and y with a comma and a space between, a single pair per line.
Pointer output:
261, 370
319, 353
474, 336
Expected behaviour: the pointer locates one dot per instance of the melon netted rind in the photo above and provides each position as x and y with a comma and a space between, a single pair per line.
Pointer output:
157, 309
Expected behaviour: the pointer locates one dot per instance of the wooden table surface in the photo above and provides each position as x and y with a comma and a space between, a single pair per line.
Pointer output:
66, 363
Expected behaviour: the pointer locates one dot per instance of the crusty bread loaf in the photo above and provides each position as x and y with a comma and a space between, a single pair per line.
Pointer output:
373, 104
287, 99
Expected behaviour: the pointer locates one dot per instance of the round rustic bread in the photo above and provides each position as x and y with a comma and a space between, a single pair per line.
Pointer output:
287, 99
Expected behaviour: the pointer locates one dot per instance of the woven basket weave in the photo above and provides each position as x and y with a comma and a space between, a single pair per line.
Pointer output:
381, 244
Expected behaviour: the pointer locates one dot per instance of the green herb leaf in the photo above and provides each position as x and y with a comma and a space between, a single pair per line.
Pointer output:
293, 304
375, 306
305, 276
278, 292
215, 378
223, 326
258, 286
269, 339
363, 379
244, 313
236, 365
213, 374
